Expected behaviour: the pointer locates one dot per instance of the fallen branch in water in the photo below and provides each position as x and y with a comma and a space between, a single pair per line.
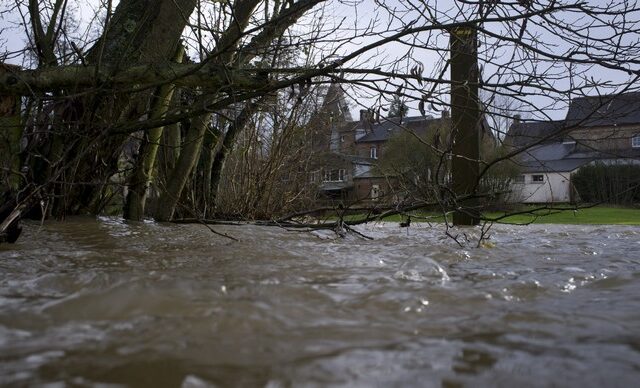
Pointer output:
289, 221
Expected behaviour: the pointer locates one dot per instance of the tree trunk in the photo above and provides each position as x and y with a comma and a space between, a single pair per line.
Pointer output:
225, 147
211, 139
178, 179
145, 163
10, 134
140, 32
465, 117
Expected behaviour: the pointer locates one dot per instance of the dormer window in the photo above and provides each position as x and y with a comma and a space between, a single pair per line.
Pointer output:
635, 141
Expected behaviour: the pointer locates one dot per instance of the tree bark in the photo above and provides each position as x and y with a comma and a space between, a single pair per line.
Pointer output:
142, 175
10, 134
465, 117
180, 174
226, 146
142, 33
224, 53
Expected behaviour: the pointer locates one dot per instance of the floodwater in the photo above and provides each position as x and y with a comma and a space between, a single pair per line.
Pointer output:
99, 301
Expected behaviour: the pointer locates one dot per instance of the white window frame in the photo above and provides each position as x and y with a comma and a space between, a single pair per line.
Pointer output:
373, 152
375, 192
342, 174
519, 179
533, 178
635, 141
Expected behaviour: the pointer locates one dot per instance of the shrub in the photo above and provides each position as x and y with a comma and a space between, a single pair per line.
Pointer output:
608, 183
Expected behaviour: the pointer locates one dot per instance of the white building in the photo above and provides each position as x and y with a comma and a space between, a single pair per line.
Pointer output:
603, 129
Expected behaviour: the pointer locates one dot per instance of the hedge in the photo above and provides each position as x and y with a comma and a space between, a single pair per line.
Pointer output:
608, 183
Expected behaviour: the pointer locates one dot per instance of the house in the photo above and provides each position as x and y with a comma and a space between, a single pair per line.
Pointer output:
349, 153
597, 129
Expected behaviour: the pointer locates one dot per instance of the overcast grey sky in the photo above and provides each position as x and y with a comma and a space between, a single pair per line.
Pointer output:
428, 48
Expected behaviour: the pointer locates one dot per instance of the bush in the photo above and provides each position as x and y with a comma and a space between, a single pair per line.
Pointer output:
615, 184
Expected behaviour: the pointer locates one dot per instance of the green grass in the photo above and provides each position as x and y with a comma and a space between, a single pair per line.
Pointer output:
589, 216
600, 215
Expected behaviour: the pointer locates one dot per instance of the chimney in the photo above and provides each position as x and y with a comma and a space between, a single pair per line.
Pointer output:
516, 119
364, 115
445, 114
366, 119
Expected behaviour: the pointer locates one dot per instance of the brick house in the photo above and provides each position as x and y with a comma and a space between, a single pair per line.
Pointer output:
347, 151
597, 129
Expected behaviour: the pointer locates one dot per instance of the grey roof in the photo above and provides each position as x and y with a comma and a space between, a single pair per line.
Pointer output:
366, 174
553, 157
361, 159
335, 103
335, 186
553, 151
382, 131
564, 165
563, 157
522, 134
617, 109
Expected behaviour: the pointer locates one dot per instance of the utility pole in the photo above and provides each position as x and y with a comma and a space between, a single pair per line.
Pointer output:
465, 121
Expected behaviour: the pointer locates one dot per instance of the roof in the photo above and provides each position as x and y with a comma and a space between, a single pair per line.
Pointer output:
546, 152
383, 130
553, 157
360, 159
334, 103
606, 110
522, 134
564, 165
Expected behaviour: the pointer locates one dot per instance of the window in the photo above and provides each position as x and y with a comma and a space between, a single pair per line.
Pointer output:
538, 178
373, 153
314, 176
375, 192
327, 176
342, 138
341, 174
519, 179
635, 141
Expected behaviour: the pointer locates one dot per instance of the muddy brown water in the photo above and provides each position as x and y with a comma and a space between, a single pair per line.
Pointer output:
99, 301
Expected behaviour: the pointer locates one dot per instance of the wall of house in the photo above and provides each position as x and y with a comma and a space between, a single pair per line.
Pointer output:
605, 138
347, 142
364, 149
555, 187
364, 186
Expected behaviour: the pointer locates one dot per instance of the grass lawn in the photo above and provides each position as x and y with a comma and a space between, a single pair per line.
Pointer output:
589, 216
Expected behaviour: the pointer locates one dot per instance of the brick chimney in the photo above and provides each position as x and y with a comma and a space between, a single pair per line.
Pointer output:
516, 119
366, 118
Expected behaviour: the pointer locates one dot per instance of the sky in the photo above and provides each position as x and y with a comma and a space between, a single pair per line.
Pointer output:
367, 21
